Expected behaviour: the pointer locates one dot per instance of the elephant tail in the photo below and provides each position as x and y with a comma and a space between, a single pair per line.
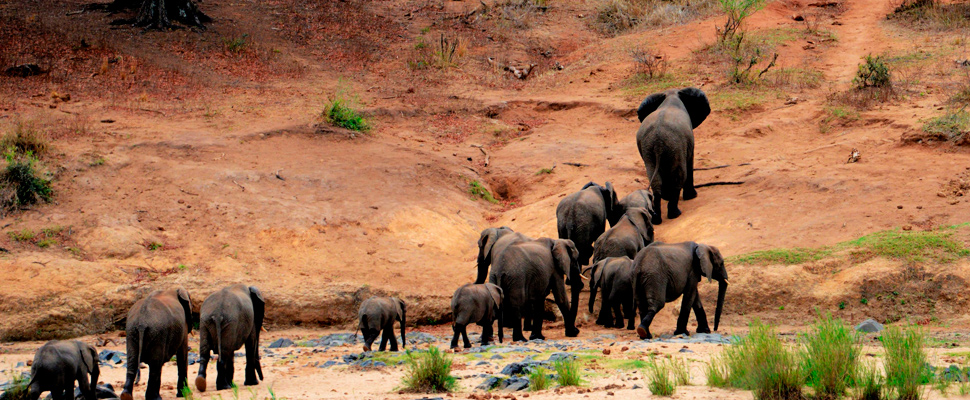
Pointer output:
222, 354
721, 288
141, 341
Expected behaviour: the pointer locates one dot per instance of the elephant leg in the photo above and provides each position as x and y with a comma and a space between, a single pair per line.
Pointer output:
204, 355
454, 339
464, 337
656, 219
182, 368
685, 306
538, 309
230, 367
513, 316
385, 337
527, 317
646, 318
605, 317
33, 391
251, 360
85, 386
369, 337
701, 316
131, 376
154, 382
617, 314
672, 210
486, 334
630, 312
391, 336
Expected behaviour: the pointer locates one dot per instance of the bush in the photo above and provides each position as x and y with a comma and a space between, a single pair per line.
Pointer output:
567, 372
21, 183
648, 63
539, 379
659, 379
874, 72
428, 373
905, 361
831, 357
25, 138
759, 362
339, 112
869, 382
955, 125
737, 11
617, 16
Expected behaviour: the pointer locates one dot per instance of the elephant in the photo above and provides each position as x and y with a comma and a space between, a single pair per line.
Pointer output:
582, 216
665, 271
615, 276
230, 319
666, 143
642, 198
57, 364
376, 316
632, 233
492, 242
476, 304
527, 272
158, 328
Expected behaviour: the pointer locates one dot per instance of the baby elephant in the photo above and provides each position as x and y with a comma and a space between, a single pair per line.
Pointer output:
58, 364
479, 304
377, 315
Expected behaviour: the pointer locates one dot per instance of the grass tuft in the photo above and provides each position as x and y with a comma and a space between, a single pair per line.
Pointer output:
869, 382
539, 379
954, 125
340, 112
428, 372
905, 364
17, 387
831, 357
659, 378
759, 362
568, 373
25, 138
475, 188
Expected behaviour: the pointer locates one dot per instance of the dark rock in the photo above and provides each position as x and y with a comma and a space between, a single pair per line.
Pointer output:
561, 356
686, 350
281, 342
24, 70
490, 383
869, 326
111, 356
329, 364
349, 358
637, 387
497, 357
516, 368
483, 363
515, 384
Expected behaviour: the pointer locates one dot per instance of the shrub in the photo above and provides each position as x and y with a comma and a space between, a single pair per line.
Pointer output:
953, 125
235, 45
21, 183
737, 11
831, 357
17, 387
659, 379
648, 63
476, 189
905, 361
874, 72
539, 379
567, 372
447, 53
339, 112
616, 17
428, 373
25, 138
869, 382
759, 362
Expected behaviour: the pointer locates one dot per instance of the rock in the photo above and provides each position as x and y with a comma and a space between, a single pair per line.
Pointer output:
24, 70
520, 349
329, 364
349, 358
497, 357
869, 326
561, 356
607, 351
111, 356
281, 342
515, 384
516, 368
193, 358
686, 350
483, 363
635, 387
490, 383
421, 337
20, 364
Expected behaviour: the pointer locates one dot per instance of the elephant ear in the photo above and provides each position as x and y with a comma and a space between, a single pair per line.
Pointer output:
88, 356
613, 210
696, 103
259, 307
496, 293
596, 272
702, 258
641, 220
650, 104
485, 244
183, 296
560, 257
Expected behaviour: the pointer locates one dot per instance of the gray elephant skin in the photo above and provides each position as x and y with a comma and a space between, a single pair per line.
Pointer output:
663, 272
376, 317
57, 364
230, 319
582, 216
642, 198
158, 328
476, 304
666, 144
614, 275
527, 272
630, 234
492, 242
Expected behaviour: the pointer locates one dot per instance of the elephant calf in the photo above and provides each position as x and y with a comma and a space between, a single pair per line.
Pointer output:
642, 198
476, 304
230, 318
57, 364
377, 316
615, 276
158, 328
625, 239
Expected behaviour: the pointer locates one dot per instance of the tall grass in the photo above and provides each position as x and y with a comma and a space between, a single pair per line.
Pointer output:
539, 379
717, 372
905, 361
567, 371
759, 362
17, 388
680, 371
659, 378
869, 382
831, 357
428, 373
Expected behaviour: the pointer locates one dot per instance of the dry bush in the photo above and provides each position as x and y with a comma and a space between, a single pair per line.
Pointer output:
648, 63
933, 14
615, 17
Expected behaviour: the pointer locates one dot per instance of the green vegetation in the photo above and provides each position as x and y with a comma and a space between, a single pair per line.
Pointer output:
869, 382
874, 72
153, 245
905, 361
476, 189
737, 11
798, 255
340, 112
659, 379
539, 379
45, 243
680, 371
25, 138
831, 357
428, 373
24, 235
954, 125
759, 362
567, 371
18, 387
546, 171
236, 45
21, 182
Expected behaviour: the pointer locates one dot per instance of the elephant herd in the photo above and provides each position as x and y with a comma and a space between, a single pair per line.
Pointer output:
516, 273
632, 271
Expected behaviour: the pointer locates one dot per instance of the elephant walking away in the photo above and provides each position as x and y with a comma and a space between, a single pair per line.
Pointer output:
632, 233
57, 364
666, 143
642, 198
377, 316
158, 328
582, 216
230, 319
527, 272
615, 276
663, 272
491, 244
476, 304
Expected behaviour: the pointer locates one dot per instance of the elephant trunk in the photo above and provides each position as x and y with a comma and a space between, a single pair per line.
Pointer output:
592, 295
483, 261
721, 288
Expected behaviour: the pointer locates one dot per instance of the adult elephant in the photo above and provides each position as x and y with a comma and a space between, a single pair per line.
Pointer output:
663, 272
527, 272
57, 364
229, 319
666, 144
632, 233
582, 216
158, 328
492, 242
615, 276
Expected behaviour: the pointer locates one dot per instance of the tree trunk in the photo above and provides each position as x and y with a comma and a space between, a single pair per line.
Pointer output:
159, 14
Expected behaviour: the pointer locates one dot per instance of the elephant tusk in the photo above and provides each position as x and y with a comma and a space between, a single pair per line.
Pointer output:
584, 278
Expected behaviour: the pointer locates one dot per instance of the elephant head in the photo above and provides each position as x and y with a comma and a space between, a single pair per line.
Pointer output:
640, 218
694, 102
566, 258
710, 263
183, 297
497, 297
613, 209
485, 243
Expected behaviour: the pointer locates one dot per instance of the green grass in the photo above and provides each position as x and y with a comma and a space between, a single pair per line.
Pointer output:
45, 243
798, 255
428, 372
905, 361
237, 44
546, 171
568, 373
52, 231
339, 112
18, 387
954, 125
23, 235
831, 357
539, 379
681, 371
717, 372
759, 362
22, 182
476, 189
659, 378
869, 382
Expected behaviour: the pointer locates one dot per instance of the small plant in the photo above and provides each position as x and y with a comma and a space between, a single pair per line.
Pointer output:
428, 373
476, 189
761, 363
447, 53
680, 371
943, 382
869, 382
746, 59
24, 235
874, 72
831, 356
648, 64
181, 267
187, 393
45, 243
659, 379
717, 372
338, 111
97, 161
567, 371
546, 171
236, 45
17, 388
152, 246
737, 11
20, 182
539, 379
235, 390
905, 360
